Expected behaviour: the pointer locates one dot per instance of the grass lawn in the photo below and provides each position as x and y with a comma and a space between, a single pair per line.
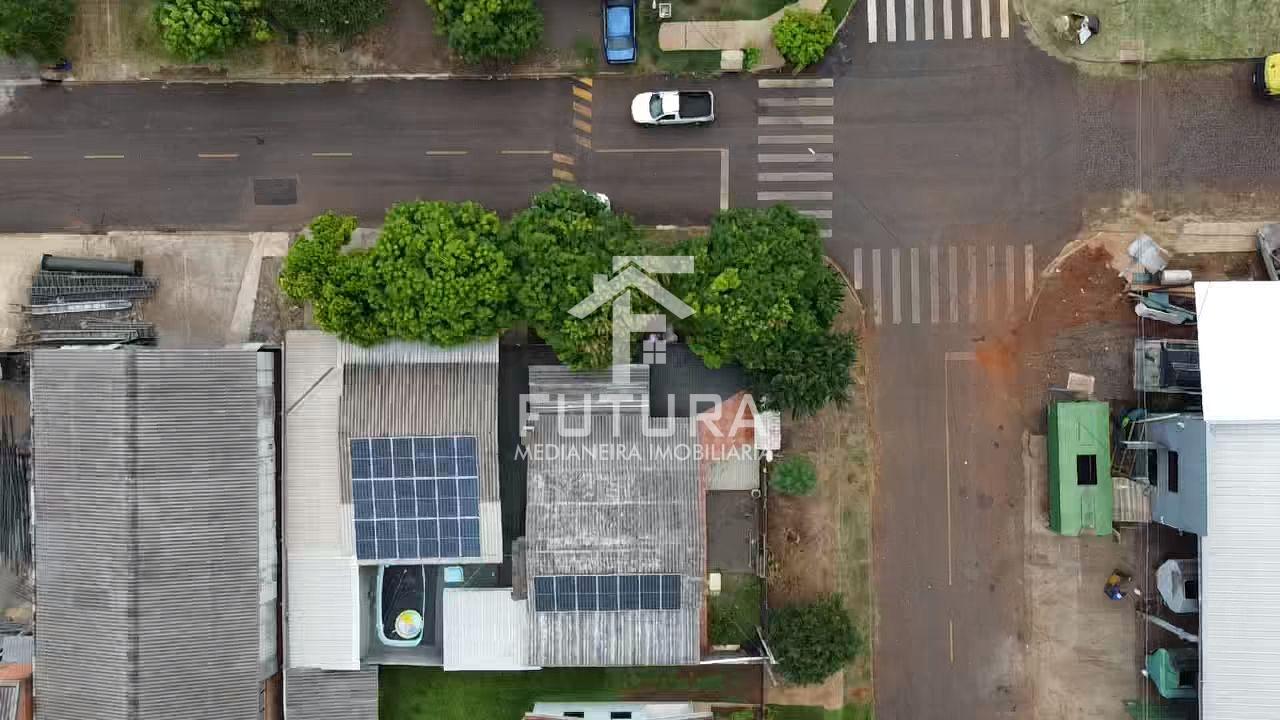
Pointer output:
838, 9
800, 712
411, 693
1163, 30
735, 612
652, 59
726, 9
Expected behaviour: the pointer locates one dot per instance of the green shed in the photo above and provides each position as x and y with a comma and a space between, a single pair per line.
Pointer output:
1080, 493
1175, 672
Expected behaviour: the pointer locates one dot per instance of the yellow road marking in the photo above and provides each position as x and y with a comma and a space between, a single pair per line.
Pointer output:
585, 81
524, 152
559, 174
951, 641
15, 157
103, 157
582, 125
446, 152
584, 110
218, 156
583, 93
331, 154
583, 141
562, 158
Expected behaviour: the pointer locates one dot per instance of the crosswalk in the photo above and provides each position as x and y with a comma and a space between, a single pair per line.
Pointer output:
795, 160
954, 284
922, 19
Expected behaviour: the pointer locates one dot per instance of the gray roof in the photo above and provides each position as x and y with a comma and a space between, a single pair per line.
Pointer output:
9, 696
328, 694
598, 513
572, 390
1187, 509
146, 477
17, 649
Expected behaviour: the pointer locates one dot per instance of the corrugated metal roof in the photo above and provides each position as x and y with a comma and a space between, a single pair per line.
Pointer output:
17, 649
330, 694
485, 629
612, 503
1240, 575
9, 695
568, 390
146, 516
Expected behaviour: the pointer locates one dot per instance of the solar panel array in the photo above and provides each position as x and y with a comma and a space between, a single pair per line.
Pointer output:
602, 593
415, 497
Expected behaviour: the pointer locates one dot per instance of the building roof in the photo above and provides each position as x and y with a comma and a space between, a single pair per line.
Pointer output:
17, 649
1185, 509
146, 513
593, 511
485, 629
1237, 357
1080, 490
335, 392
1240, 554
682, 374
327, 694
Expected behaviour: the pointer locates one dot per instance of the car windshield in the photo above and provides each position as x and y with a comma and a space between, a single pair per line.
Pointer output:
655, 106
618, 43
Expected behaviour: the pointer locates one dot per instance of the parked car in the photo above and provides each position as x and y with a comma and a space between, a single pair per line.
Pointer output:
670, 107
1266, 77
619, 31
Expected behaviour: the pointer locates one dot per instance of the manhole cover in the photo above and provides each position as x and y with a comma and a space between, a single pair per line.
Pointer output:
275, 191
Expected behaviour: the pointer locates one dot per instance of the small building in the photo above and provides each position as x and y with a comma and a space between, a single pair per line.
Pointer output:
1080, 491
1172, 458
155, 534
16, 653
1174, 672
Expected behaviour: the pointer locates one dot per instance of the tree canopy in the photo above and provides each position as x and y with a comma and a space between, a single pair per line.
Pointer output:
814, 641
339, 18
557, 246
195, 30
35, 28
436, 275
794, 476
480, 30
803, 36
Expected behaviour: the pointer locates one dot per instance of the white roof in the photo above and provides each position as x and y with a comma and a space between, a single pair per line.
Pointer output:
484, 629
1240, 554
1238, 351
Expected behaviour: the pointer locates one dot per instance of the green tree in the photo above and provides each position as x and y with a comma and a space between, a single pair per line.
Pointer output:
37, 28
806, 374
342, 19
479, 30
194, 30
435, 275
814, 641
794, 476
557, 246
803, 37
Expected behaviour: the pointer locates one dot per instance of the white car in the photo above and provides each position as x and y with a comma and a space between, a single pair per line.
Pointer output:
672, 107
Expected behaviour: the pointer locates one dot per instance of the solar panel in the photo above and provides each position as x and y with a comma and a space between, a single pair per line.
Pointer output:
606, 593
415, 498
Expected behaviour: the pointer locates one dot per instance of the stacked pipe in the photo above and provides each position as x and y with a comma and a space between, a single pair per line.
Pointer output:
87, 301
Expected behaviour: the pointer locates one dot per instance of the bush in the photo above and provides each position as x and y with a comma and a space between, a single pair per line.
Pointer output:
750, 58
812, 642
342, 19
197, 29
37, 28
803, 37
794, 476
479, 30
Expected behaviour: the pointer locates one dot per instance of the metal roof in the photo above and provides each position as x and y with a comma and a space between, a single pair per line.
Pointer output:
484, 629
593, 511
1240, 555
146, 514
328, 694
17, 649
10, 694
1080, 439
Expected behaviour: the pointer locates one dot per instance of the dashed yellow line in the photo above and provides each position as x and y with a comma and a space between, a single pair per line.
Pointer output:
563, 159
582, 93
582, 125
218, 156
564, 175
15, 157
583, 110
585, 81
103, 157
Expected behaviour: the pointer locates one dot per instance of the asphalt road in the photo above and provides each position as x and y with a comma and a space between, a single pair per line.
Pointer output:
946, 172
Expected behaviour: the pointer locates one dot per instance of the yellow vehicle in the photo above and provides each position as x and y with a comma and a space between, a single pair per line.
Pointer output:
1266, 77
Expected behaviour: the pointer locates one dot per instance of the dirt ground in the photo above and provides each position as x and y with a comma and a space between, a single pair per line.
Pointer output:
821, 543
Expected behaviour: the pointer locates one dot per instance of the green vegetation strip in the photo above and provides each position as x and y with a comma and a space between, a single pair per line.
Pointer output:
800, 712
735, 612
839, 9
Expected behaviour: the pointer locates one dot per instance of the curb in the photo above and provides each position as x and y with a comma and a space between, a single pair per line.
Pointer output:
331, 78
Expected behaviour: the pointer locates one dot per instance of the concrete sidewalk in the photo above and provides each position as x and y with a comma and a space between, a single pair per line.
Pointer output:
731, 34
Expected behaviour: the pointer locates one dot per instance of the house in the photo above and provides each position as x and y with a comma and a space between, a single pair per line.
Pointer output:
155, 534
1239, 575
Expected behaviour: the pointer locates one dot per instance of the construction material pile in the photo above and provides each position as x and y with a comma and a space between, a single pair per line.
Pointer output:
88, 301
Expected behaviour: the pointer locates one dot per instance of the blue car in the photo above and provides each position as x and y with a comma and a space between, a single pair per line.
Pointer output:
619, 31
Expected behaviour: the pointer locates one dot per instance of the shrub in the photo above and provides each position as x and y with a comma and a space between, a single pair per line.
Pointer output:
340, 18
803, 37
794, 476
812, 642
750, 58
37, 28
197, 29
479, 30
